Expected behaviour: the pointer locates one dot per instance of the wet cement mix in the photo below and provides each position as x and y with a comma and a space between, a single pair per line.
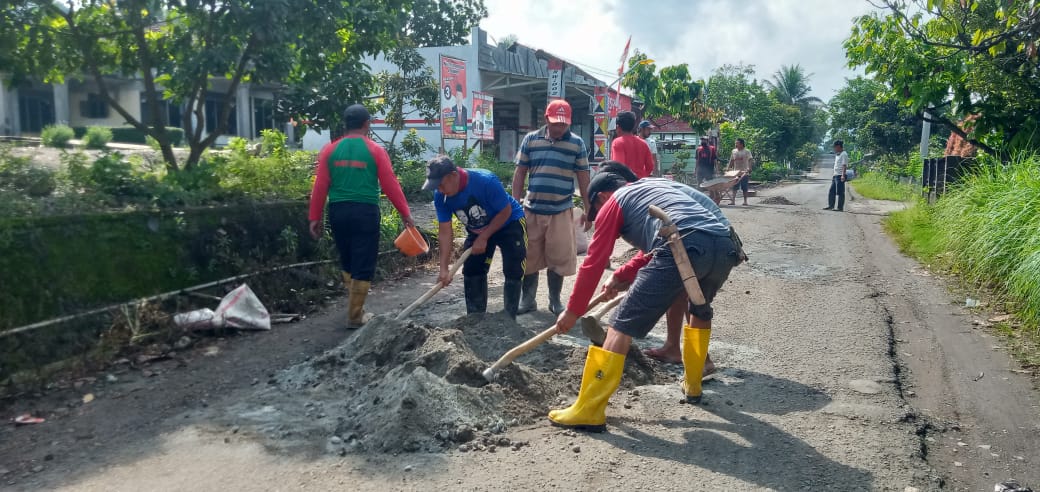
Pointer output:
398, 386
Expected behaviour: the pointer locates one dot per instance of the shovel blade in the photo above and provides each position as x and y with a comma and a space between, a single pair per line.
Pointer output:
593, 331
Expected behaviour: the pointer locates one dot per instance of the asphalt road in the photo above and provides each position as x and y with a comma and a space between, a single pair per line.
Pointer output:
843, 367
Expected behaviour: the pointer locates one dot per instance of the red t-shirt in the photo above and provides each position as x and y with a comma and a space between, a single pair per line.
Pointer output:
634, 153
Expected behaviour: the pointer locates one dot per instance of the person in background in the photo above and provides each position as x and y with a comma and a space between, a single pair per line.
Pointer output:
740, 160
629, 149
350, 174
554, 158
493, 219
841, 165
645, 130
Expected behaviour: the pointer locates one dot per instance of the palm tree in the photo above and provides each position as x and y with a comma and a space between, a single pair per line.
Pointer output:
790, 84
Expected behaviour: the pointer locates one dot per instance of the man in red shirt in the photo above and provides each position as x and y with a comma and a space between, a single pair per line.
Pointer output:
629, 149
350, 173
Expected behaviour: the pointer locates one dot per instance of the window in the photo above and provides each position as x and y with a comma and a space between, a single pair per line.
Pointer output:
94, 107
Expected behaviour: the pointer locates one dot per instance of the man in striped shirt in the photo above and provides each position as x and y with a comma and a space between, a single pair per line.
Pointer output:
550, 159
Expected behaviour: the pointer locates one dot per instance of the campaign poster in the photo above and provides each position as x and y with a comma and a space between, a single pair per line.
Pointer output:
483, 116
454, 104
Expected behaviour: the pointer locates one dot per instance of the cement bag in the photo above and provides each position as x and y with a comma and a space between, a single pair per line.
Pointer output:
581, 238
243, 310
199, 319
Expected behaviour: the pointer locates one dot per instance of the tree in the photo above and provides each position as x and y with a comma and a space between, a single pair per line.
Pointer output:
180, 48
866, 120
955, 59
669, 92
790, 85
413, 87
733, 89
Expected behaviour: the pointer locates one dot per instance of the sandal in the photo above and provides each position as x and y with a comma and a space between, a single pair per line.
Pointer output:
658, 355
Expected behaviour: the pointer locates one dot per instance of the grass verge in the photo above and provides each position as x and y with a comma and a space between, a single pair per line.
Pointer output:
986, 230
877, 186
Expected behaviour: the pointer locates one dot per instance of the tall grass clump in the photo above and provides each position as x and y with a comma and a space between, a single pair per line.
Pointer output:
877, 186
56, 135
97, 137
991, 224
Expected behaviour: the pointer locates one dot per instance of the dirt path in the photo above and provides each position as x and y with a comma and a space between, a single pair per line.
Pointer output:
843, 368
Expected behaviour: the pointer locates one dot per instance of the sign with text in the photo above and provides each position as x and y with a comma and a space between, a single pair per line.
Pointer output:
556, 89
454, 113
483, 116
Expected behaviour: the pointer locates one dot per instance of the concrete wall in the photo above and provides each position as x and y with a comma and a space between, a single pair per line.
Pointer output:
314, 140
129, 97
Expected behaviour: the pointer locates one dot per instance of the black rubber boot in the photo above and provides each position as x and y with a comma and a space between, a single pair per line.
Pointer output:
555, 286
475, 287
529, 291
511, 296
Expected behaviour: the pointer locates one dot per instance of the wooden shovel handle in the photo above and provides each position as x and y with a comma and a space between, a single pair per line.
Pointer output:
682, 261
435, 289
531, 343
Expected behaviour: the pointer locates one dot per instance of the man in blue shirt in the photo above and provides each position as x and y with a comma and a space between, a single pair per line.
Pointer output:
493, 219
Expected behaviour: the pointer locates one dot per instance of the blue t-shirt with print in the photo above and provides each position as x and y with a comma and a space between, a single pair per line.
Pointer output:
478, 203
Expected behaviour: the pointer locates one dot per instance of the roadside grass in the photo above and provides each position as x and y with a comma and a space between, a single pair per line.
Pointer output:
986, 230
877, 186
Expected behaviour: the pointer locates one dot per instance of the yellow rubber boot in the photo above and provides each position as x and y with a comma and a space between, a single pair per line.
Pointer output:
348, 281
357, 317
600, 379
694, 353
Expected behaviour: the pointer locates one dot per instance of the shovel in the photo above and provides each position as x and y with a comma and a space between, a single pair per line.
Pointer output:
529, 345
435, 289
590, 323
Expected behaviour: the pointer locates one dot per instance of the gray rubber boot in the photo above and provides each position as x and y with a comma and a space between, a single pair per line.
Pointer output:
529, 291
555, 282
475, 287
511, 296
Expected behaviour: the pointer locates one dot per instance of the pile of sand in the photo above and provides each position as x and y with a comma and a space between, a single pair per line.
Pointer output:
396, 386
777, 200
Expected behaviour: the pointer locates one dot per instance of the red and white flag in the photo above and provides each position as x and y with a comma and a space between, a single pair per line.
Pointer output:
624, 56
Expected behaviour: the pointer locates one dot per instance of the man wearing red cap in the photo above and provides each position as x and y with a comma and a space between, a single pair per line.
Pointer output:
550, 159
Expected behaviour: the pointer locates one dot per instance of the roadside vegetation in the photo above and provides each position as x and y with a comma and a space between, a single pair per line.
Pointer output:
986, 229
877, 186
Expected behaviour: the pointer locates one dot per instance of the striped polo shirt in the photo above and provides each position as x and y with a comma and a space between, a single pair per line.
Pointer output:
552, 167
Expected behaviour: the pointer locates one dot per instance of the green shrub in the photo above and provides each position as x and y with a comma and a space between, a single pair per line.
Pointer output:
876, 186
57, 135
682, 157
17, 174
769, 171
916, 231
97, 137
503, 170
129, 134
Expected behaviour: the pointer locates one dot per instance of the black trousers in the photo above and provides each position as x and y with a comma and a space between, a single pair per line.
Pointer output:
837, 189
512, 238
355, 227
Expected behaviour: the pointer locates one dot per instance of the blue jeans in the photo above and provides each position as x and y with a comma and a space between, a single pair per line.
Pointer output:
837, 188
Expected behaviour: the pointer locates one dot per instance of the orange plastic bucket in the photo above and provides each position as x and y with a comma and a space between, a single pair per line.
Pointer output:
410, 242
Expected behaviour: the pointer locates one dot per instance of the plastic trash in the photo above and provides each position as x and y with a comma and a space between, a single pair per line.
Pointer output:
971, 303
195, 320
239, 309
581, 238
1010, 486
27, 419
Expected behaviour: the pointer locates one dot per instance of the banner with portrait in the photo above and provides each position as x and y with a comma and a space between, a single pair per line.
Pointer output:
454, 106
483, 116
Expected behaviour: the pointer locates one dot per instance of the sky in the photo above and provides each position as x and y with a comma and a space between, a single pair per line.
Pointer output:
702, 33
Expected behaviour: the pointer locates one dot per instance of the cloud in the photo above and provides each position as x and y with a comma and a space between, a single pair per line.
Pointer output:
702, 33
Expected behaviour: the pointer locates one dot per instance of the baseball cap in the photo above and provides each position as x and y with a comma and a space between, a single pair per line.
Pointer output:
558, 111
355, 115
611, 176
436, 169
645, 124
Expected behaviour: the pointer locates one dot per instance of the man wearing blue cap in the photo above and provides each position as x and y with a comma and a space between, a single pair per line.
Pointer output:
493, 219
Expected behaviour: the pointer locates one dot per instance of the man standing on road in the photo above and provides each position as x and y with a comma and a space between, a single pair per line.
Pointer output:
841, 164
645, 129
492, 218
554, 158
622, 210
706, 160
350, 173
629, 149
740, 160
